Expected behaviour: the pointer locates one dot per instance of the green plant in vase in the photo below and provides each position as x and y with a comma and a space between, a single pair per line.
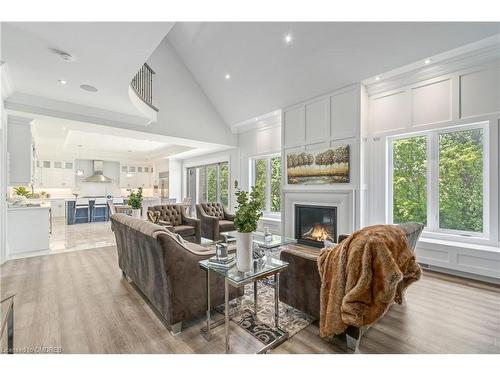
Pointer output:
22, 191
135, 201
247, 215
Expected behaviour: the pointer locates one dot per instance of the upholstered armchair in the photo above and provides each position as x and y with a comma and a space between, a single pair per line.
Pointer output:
172, 216
214, 220
300, 284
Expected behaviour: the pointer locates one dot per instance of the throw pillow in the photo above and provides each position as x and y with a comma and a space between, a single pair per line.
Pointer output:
153, 216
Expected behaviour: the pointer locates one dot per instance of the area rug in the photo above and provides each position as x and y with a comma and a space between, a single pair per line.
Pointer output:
291, 320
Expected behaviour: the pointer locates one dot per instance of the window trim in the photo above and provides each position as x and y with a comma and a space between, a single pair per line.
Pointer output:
432, 181
267, 157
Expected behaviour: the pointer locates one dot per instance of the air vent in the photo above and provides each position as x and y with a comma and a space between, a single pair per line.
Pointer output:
88, 88
63, 55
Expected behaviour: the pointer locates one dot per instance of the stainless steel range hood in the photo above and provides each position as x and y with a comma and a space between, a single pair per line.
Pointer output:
98, 175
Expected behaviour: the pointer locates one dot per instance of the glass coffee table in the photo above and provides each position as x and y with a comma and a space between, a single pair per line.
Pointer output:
273, 243
262, 268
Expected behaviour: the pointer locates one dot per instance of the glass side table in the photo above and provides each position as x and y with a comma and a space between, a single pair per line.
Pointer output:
262, 268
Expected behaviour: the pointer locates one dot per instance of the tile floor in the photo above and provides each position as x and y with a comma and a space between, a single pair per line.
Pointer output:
79, 236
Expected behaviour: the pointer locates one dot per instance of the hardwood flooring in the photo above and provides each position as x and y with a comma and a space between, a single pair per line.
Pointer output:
79, 302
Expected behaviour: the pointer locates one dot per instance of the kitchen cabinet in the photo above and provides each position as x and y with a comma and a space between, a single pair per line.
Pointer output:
20, 149
54, 174
135, 176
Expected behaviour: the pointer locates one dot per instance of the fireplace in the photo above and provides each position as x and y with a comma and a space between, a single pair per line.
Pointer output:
315, 224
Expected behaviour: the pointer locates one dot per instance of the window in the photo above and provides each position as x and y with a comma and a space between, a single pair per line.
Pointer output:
266, 171
438, 179
409, 179
461, 180
209, 183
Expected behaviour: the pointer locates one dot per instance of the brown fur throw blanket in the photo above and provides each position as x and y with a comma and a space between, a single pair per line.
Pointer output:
362, 276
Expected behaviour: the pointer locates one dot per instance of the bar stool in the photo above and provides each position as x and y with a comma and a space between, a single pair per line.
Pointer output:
80, 204
118, 200
100, 203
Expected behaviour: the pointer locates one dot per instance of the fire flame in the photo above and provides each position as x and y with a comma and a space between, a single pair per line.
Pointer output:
318, 233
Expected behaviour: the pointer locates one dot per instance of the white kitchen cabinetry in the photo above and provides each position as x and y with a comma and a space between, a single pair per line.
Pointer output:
135, 176
28, 230
54, 174
21, 151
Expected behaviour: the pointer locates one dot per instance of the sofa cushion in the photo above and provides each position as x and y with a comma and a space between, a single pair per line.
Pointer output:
185, 230
226, 226
213, 209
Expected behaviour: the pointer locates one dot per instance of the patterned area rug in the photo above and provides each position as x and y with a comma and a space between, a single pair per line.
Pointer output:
291, 320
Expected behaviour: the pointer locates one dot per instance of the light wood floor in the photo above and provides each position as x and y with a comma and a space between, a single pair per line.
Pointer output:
78, 301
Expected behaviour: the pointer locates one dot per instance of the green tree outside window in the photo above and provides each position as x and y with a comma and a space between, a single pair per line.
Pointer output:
409, 176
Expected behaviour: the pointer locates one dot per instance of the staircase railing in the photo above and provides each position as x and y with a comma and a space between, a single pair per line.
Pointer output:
142, 83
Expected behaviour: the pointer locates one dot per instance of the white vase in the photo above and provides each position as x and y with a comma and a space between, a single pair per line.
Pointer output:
136, 213
244, 259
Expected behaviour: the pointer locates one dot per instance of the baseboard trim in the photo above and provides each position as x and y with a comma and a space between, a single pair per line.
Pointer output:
466, 275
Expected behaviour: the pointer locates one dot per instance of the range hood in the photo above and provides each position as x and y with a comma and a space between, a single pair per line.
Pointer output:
98, 175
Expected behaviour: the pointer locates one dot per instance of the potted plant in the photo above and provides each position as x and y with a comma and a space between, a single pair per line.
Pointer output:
22, 191
135, 201
248, 213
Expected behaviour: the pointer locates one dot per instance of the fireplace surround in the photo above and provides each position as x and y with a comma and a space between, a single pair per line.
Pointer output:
315, 224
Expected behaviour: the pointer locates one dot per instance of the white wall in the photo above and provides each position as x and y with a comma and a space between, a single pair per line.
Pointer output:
4, 93
175, 179
455, 97
327, 121
185, 110
3, 184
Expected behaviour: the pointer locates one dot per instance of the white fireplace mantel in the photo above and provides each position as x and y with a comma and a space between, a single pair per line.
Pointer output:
344, 200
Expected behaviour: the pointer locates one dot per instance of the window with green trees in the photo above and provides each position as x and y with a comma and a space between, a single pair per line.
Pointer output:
461, 180
209, 183
409, 180
267, 173
446, 169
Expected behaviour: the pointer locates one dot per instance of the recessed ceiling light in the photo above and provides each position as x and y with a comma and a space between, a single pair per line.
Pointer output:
63, 55
88, 88
288, 38
377, 78
227, 76
62, 81
427, 61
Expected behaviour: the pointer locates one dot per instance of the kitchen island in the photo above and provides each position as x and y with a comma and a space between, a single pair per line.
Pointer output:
28, 229
99, 213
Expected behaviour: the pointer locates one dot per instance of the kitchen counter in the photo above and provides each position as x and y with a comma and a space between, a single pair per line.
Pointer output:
42, 206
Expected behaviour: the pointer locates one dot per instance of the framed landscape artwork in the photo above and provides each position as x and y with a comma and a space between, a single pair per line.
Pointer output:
318, 167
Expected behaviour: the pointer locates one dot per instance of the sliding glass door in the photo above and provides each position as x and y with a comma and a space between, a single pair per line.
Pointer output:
208, 183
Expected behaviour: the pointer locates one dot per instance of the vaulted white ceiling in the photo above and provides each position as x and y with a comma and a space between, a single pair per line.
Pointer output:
267, 74
106, 55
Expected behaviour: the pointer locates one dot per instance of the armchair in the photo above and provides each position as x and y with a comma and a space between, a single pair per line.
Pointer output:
172, 216
214, 219
300, 284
